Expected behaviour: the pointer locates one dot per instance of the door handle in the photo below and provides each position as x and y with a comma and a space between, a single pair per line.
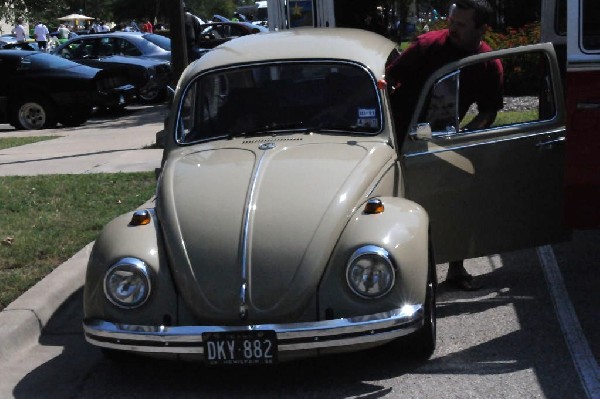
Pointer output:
588, 105
550, 143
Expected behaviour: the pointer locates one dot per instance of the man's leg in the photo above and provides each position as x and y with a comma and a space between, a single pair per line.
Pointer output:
459, 277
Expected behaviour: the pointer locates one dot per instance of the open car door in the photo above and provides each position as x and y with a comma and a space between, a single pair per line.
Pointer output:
582, 187
496, 189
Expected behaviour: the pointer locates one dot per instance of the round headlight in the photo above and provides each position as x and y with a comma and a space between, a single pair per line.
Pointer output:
127, 283
370, 272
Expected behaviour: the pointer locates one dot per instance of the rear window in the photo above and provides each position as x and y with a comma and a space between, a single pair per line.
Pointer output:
161, 41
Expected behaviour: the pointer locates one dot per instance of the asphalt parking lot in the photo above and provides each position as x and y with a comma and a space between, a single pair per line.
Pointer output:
44, 318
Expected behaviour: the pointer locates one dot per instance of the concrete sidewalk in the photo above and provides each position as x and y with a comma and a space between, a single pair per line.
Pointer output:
105, 144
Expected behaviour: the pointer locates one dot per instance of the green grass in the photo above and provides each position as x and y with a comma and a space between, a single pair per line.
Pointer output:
7, 142
507, 117
47, 219
512, 117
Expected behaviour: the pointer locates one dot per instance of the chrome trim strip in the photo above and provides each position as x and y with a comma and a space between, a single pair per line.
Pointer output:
245, 242
291, 337
495, 141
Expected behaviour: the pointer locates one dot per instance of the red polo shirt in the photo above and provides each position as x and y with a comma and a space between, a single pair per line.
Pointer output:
480, 83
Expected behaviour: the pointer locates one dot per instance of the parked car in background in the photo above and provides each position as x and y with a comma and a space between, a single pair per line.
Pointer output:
55, 34
215, 33
149, 75
7, 38
132, 44
37, 90
27, 46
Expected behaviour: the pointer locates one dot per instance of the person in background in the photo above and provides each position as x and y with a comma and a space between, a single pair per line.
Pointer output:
407, 73
42, 35
103, 27
63, 32
149, 26
193, 30
19, 31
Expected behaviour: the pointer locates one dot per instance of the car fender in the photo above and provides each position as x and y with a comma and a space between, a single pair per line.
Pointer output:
402, 229
120, 239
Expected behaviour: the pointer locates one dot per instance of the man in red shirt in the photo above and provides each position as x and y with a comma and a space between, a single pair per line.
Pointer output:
480, 83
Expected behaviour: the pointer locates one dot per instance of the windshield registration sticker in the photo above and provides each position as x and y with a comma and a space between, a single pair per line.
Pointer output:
364, 113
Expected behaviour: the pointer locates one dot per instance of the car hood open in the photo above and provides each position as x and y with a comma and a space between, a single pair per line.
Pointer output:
249, 229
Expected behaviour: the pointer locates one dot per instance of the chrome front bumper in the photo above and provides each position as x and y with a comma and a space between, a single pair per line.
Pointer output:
327, 334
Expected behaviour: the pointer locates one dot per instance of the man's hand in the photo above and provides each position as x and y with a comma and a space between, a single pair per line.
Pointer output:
482, 120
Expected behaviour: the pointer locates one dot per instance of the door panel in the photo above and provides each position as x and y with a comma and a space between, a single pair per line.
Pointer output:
499, 188
583, 109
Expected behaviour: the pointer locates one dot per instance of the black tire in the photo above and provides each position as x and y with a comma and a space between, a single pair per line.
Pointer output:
32, 113
420, 344
153, 96
76, 117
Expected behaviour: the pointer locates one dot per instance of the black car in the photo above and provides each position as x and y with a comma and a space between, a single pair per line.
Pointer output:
37, 90
150, 75
216, 33
132, 44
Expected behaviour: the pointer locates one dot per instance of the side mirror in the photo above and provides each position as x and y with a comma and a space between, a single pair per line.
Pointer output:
421, 132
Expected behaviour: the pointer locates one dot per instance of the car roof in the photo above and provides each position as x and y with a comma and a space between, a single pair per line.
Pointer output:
109, 34
367, 48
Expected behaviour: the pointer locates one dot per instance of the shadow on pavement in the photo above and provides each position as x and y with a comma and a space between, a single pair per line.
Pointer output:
81, 370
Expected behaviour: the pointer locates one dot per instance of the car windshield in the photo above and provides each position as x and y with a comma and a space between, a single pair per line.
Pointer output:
161, 41
283, 97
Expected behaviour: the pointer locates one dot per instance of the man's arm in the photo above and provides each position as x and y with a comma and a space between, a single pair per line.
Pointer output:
482, 120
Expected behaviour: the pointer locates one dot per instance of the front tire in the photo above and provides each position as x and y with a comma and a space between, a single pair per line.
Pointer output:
153, 96
421, 343
33, 113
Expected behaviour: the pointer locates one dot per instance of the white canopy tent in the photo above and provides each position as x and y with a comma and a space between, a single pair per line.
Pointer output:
75, 17
76, 21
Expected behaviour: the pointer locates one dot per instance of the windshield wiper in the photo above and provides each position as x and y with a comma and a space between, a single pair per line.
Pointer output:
295, 127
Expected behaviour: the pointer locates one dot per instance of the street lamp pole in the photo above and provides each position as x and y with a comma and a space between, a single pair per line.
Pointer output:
179, 56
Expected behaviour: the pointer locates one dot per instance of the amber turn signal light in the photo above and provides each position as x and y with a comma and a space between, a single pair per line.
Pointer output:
140, 218
374, 206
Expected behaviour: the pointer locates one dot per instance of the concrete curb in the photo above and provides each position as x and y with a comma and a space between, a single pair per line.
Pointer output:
23, 320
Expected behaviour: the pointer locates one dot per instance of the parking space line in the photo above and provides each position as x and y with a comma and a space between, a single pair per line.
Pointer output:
583, 359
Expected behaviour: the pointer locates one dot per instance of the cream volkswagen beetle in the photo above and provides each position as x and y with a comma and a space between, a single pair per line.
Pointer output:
291, 220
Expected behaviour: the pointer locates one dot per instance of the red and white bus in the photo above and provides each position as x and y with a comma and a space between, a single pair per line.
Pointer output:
574, 27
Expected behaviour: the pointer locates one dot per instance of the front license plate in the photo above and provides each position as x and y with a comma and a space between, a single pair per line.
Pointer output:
240, 347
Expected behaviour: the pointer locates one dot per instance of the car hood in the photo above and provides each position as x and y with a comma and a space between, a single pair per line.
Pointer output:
249, 230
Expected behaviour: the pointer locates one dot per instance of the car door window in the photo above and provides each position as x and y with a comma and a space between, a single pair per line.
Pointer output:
77, 49
124, 47
237, 31
591, 25
528, 97
105, 47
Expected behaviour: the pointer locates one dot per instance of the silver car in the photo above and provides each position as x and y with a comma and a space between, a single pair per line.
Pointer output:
293, 220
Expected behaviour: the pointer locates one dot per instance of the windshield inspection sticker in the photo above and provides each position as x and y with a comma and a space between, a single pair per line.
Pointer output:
366, 113
367, 122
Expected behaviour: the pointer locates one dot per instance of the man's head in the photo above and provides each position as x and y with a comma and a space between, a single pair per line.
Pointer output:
467, 21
